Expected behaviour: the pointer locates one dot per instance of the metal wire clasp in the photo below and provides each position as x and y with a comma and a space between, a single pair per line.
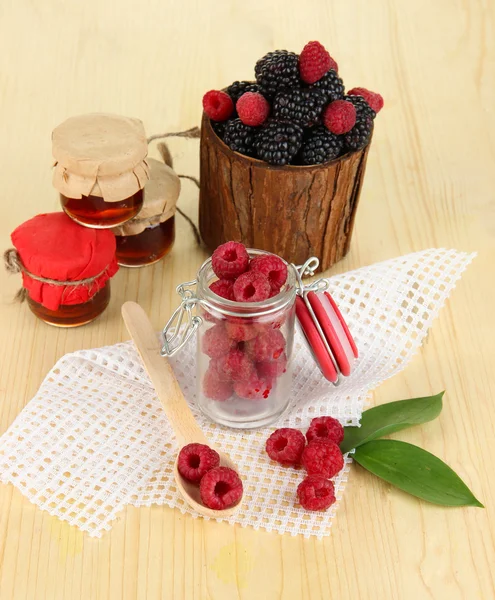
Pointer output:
308, 269
175, 336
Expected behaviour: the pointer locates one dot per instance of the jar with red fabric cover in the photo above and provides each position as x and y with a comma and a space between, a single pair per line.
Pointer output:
66, 269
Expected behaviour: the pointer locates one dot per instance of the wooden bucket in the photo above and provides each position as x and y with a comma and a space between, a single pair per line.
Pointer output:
295, 212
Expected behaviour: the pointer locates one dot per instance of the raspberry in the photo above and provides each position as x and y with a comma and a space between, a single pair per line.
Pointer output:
331, 85
214, 387
195, 460
278, 142
235, 366
273, 268
303, 106
220, 488
255, 388
320, 146
238, 88
372, 98
339, 117
216, 342
218, 105
239, 330
252, 109
314, 62
240, 138
325, 428
230, 260
268, 346
271, 369
252, 287
316, 493
286, 446
321, 457
276, 71
223, 288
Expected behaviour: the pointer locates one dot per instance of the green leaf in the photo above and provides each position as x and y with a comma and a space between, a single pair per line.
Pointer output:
389, 418
415, 471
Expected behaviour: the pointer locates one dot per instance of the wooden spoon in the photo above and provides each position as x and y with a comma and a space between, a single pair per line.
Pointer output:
174, 404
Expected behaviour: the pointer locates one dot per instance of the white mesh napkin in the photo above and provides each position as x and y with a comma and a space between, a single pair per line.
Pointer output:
94, 438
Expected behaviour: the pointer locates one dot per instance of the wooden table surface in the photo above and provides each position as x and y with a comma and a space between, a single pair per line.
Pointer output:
429, 183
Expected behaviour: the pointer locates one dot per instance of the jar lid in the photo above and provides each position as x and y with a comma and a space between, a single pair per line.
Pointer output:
100, 154
327, 334
160, 199
53, 247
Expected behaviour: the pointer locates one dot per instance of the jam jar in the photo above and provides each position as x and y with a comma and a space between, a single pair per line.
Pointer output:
66, 269
101, 168
149, 237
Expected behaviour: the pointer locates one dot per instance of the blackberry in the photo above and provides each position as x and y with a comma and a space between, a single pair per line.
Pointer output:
360, 134
219, 127
303, 106
331, 85
277, 70
240, 137
278, 142
320, 146
363, 109
236, 89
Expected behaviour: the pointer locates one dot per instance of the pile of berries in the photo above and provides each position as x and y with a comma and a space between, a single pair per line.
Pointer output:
219, 487
247, 356
297, 112
321, 457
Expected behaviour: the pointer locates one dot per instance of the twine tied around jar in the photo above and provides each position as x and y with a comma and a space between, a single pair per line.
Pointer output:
192, 133
13, 264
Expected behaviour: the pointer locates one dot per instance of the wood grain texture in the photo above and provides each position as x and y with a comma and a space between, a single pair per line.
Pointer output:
429, 182
295, 212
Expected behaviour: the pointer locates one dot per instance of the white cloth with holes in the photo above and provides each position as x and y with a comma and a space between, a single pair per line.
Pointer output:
95, 439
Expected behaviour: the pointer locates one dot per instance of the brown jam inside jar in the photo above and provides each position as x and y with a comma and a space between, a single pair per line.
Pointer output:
75, 314
147, 247
93, 211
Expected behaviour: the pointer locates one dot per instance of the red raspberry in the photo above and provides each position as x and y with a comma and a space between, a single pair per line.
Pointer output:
235, 366
216, 342
239, 330
252, 108
220, 488
223, 288
195, 460
255, 388
268, 346
214, 387
230, 260
272, 267
326, 428
339, 116
286, 446
218, 105
252, 287
322, 457
314, 62
271, 369
316, 493
374, 99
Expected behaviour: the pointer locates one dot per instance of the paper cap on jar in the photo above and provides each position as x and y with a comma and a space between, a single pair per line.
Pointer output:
61, 262
160, 199
100, 154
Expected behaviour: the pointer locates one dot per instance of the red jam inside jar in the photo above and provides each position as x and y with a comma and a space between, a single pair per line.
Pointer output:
147, 247
73, 315
93, 211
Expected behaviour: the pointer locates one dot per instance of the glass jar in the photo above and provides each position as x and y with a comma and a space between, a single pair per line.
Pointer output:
73, 315
147, 247
101, 168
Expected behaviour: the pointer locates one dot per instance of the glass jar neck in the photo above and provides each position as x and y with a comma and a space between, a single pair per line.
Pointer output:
209, 299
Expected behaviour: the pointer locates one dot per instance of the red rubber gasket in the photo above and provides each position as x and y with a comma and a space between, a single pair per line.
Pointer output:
315, 342
324, 319
344, 325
